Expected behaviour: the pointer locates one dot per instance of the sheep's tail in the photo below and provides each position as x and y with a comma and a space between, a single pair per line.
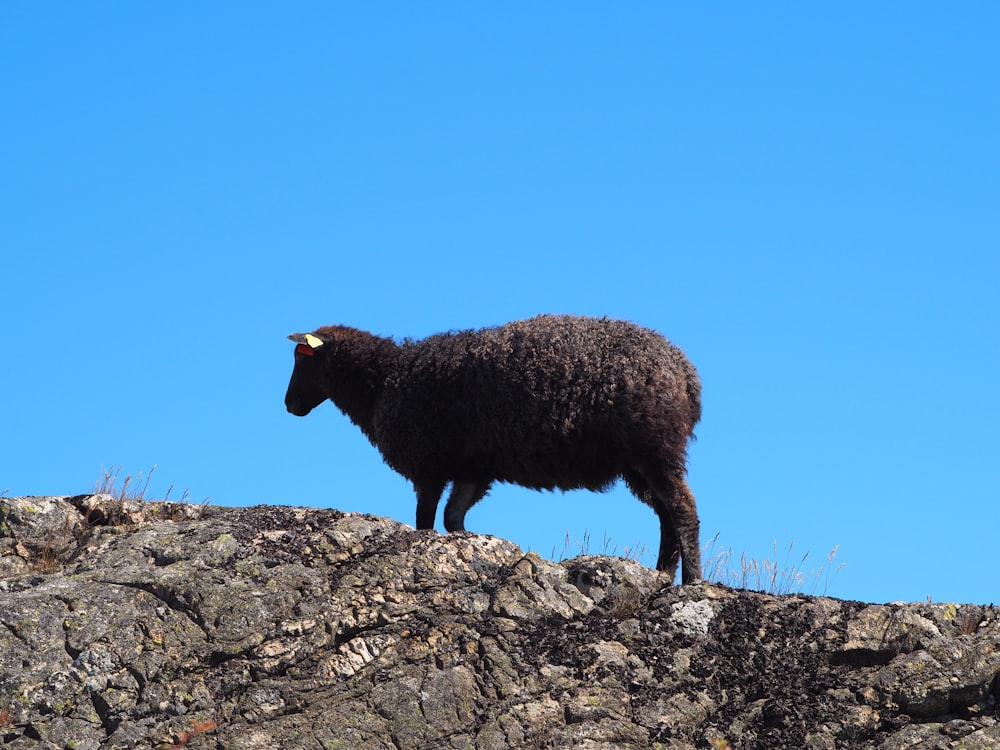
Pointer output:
692, 384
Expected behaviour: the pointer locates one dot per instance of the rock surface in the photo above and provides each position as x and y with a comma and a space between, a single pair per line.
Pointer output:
166, 626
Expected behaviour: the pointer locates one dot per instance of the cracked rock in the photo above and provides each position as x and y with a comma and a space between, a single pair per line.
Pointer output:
143, 625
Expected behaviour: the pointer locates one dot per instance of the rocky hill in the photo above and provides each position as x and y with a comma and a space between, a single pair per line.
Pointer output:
166, 626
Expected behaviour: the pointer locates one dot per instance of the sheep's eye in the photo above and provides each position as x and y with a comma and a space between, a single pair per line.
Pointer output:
304, 349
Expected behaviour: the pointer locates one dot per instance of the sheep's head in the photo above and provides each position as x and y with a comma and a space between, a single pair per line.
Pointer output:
305, 391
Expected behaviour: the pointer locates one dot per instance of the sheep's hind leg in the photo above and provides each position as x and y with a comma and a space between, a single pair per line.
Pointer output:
463, 496
670, 551
680, 506
674, 503
428, 497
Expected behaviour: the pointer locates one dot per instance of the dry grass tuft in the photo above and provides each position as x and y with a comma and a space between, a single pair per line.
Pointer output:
130, 500
576, 547
722, 566
769, 576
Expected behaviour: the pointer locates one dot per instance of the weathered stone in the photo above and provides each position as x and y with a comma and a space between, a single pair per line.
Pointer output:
145, 625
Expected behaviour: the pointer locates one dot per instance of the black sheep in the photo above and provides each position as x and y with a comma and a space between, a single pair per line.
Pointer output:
555, 401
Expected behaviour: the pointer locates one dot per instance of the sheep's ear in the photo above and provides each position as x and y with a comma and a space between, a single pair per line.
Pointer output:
313, 342
307, 343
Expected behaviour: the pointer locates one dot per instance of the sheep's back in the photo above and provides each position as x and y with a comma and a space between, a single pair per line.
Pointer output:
549, 401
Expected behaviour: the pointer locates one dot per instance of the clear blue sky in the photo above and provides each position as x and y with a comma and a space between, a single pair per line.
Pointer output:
805, 199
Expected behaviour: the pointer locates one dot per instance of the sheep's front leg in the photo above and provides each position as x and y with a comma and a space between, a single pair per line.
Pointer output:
463, 496
428, 496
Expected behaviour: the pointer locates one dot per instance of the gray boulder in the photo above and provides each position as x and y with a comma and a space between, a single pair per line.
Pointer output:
150, 625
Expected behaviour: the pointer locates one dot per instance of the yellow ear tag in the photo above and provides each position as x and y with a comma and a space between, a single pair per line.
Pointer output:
314, 341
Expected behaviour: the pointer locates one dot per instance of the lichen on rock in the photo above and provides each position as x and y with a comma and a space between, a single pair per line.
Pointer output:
286, 627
